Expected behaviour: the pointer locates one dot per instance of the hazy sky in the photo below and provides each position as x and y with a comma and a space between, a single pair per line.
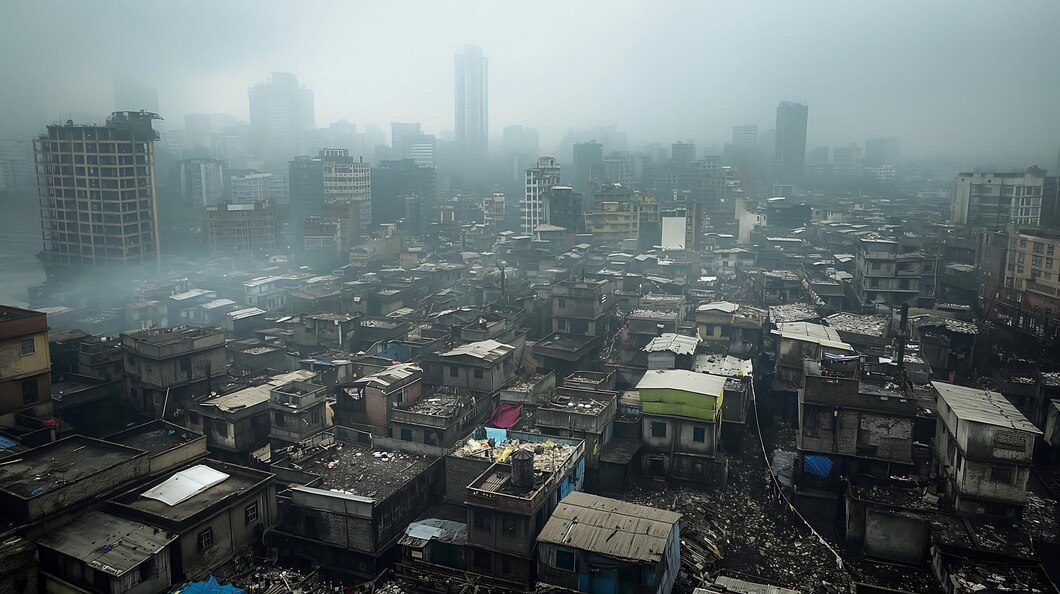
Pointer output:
975, 79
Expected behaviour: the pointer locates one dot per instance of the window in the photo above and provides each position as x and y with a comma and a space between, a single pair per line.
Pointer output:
699, 434
250, 513
27, 347
1001, 475
478, 374
406, 434
205, 539
278, 419
565, 560
30, 393
562, 303
480, 559
509, 526
454, 371
658, 429
482, 520
316, 416
221, 428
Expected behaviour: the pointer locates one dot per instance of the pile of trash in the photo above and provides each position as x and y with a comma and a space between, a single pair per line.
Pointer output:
703, 533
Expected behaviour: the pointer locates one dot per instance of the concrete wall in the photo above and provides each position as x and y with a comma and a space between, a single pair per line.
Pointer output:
894, 537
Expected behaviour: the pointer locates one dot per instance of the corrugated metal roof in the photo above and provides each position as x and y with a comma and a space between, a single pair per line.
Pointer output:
681, 379
983, 406
107, 543
610, 527
489, 350
809, 332
390, 375
738, 586
675, 343
726, 365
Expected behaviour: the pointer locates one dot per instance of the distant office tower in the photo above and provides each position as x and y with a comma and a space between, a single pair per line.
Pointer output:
846, 156
400, 134
202, 182
538, 180
563, 208
682, 153
521, 146
16, 164
790, 143
247, 229
588, 166
333, 185
247, 187
618, 168
992, 200
280, 110
745, 137
472, 105
881, 151
397, 183
133, 95
97, 194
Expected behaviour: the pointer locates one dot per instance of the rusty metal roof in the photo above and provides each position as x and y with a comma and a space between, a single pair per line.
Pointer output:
610, 527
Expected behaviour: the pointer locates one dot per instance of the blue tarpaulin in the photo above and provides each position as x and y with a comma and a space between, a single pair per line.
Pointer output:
817, 465
7, 444
210, 586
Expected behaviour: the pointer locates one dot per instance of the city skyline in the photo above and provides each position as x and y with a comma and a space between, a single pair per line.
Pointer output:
907, 92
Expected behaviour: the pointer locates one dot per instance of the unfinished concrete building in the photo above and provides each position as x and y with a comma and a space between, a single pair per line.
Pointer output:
170, 363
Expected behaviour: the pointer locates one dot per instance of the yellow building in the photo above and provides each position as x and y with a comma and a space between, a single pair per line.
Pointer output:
25, 370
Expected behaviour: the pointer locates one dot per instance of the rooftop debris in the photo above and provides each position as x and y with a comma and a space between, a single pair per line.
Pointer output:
547, 454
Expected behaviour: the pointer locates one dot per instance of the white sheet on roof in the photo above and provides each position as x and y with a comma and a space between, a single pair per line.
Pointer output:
185, 484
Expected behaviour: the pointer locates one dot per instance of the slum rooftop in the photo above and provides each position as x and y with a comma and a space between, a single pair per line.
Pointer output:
487, 350
554, 453
675, 343
176, 499
365, 472
160, 336
868, 325
440, 404
609, 527
982, 406
580, 404
725, 365
126, 544
155, 437
60, 464
792, 312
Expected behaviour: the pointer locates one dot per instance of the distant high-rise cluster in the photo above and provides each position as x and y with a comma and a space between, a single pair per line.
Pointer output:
280, 109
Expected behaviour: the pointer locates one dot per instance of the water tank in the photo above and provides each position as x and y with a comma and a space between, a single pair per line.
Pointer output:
522, 469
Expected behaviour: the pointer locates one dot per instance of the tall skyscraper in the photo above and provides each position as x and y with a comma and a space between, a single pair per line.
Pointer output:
472, 105
202, 182
280, 111
588, 166
745, 137
97, 194
401, 133
790, 144
539, 180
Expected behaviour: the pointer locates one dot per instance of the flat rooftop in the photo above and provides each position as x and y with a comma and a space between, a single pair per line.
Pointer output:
553, 454
582, 405
127, 544
365, 472
240, 480
59, 464
437, 405
160, 336
8, 313
867, 325
792, 312
154, 437
565, 342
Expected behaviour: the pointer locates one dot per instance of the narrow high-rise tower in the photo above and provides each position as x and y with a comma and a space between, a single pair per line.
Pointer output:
790, 152
97, 194
539, 180
472, 105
